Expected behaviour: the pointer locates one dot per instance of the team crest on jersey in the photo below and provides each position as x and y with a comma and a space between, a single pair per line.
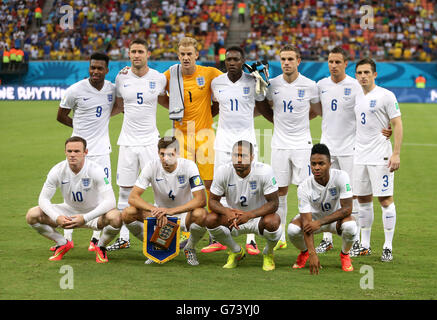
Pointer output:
86, 182
301, 93
246, 90
110, 97
252, 185
200, 81
372, 103
152, 85
347, 91
333, 191
181, 179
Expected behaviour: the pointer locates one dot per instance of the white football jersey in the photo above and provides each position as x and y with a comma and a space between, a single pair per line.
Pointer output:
373, 113
81, 191
91, 112
338, 116
321, 200
236, 107
140, 97
291, 106
171, 189
244, 193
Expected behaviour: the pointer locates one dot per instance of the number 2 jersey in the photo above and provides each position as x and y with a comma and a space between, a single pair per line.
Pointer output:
244, 193
92, 110
171, 189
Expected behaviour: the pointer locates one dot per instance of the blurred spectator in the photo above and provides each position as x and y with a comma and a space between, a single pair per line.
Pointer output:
420, 82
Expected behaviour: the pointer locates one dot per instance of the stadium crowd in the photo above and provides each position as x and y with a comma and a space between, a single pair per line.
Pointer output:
402, 30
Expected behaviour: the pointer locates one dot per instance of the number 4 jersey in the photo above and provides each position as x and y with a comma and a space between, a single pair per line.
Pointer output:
92, 110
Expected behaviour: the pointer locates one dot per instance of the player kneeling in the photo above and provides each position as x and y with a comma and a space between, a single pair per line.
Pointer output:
252, 195
178, 191
89, 202
325, 205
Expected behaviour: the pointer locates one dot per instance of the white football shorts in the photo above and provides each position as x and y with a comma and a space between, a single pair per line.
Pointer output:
376, 180
131, 159
291, 166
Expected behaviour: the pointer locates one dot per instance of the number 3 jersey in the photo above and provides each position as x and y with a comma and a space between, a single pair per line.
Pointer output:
323, 200
92, 110
244, 193
82, 191
373, 113
171, 189
237, 104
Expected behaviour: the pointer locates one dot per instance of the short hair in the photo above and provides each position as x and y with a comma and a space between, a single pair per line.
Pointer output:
100, 56
236, 48
341, 51
168, 142
76, 139
243, 143
320, 148
290, 47
139, 41
188, 42
366, 61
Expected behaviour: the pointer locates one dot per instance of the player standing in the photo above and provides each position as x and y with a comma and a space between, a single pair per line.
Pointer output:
91, 100
252, 195
235, 93
137, 93
290, 98
325, 205
89, 202
194, 131
178, 191
339, 94
375, 160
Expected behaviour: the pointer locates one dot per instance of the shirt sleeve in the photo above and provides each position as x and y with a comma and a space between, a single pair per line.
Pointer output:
47, 193
163, 85
391, 105
314, 98
217, 186
345, 186
270, 184
68, 101
303, 201
145, 177
117, 86
107, 203
196, 182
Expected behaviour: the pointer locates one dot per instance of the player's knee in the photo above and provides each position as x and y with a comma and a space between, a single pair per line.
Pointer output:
349, 229
32, 215
212, 220
271, 222
128, 215
294, 231
199, 216
115, 219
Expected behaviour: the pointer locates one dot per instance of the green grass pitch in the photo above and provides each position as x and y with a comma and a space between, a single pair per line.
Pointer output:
32, 142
